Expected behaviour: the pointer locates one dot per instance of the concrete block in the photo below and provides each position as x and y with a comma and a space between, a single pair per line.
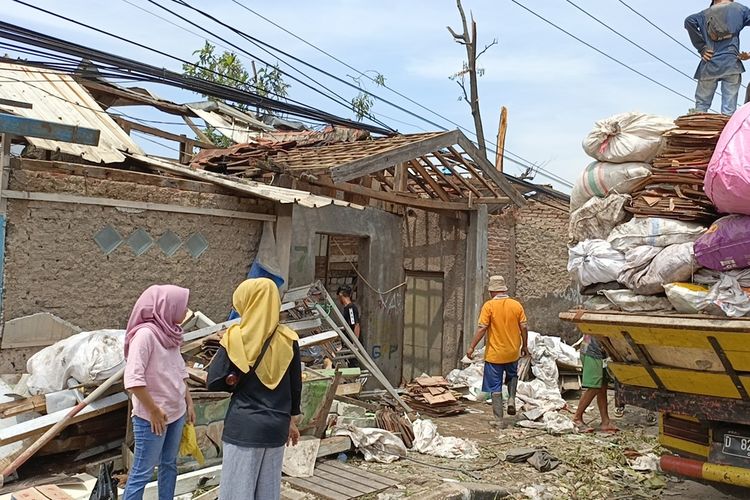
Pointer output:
361, 422
348, 410
299, 461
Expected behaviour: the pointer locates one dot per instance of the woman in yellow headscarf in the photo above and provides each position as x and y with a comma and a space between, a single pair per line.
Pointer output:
259, 362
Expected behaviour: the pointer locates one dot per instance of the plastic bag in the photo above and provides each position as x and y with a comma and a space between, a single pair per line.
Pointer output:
105, 487
189, 444
655, 232
687, 298
629, 301
87, 357
727, 181
597, 218
726, 244
627, 137
600, 179
594, 261
728, 298
671, 264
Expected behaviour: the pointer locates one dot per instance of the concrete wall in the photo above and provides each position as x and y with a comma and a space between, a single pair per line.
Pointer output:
52, 262
437, 243
529, 247
380, 255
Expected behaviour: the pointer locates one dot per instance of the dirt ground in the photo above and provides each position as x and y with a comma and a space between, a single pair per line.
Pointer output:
594, 466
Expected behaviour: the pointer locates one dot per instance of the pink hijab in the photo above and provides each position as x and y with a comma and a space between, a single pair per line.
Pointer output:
160, 308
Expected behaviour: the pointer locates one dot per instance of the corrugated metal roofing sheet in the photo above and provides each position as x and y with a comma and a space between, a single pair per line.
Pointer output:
274, 193
58, 98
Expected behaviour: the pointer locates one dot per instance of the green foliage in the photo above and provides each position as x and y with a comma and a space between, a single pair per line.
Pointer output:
362, 103
227, 69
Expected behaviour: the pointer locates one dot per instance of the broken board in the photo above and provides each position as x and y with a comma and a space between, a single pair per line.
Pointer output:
48, 492
336, 481
37, 330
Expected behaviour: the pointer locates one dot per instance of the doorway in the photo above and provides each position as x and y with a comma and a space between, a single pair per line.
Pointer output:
423, 325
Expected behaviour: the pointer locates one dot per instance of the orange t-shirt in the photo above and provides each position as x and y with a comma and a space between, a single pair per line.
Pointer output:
503, 317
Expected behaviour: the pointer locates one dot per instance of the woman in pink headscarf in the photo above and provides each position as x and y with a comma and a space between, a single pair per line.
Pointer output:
155, 376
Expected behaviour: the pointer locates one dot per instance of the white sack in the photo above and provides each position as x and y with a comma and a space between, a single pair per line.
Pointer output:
687, 298
87, 357
709, 277
629, 301
600, 179
428, 441
655, 232
377, 445
669, 265
597, 218
728, 297
594, 261
553, 422
627, 137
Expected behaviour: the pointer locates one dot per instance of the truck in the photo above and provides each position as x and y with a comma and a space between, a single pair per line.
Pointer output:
694, 371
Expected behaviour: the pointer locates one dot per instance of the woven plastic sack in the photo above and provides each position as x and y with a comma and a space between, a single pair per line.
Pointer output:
653, 231
594, 261
727, 181
672, 264
597, 218
629, 301
726, 244
599, 179
687, 298
627, 137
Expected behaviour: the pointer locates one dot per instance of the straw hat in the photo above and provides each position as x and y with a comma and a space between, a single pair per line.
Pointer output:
497, 284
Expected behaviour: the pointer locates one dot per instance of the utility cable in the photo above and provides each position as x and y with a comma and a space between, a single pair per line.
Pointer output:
692, 51
596, 49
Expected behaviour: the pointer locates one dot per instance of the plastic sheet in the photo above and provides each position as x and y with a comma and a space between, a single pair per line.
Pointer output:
428, 441
377, 445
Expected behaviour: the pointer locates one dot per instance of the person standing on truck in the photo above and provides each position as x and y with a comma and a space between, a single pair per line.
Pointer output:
715, 33
502, 323
596, 382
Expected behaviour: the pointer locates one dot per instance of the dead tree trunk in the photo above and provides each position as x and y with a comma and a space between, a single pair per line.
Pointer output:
469, 40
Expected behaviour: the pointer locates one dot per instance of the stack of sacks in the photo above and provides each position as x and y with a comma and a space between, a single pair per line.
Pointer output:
663, 263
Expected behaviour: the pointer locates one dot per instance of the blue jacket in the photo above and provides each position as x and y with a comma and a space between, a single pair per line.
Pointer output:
731, 18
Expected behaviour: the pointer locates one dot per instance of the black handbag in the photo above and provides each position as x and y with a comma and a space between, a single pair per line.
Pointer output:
224, 376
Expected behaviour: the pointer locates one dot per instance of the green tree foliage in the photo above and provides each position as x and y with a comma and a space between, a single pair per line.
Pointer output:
227, 69
362, 103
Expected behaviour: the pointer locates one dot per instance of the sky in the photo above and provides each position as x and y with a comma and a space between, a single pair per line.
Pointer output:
554, 87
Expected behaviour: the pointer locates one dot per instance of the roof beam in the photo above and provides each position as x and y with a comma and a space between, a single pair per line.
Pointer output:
31, 127
430, 180
473, 170
453, 171
440, 174
134, 98
423, 203
395, 156
489, 170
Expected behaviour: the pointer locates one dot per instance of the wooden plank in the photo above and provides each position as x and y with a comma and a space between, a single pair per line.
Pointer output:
349, 389
399, 154
41, 424
473, 170
187, 483
437, 188
321, 419
456, 174
31, 127
212, 494
334, 445
26, 405
489, 170
318, 338
305, 324
327, 488
450, 182
156, 132
138, 205
427, 204
135, 98
349, 470
312, 486
436, 400
38, 330
343, 481
28, 494
502, 131
53, 492
16, 104
209, 330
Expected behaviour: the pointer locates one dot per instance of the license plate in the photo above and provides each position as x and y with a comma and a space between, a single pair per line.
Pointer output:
736, 446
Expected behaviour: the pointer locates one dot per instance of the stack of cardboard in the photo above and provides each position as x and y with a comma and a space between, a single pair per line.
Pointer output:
433, 396
675, 190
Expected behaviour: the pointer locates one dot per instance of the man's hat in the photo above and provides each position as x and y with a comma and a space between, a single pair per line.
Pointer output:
497, 284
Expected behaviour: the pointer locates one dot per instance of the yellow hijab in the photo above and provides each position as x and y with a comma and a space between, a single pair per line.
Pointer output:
257, 301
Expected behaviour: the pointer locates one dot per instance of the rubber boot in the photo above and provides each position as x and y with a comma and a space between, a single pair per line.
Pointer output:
497, 409
512, 385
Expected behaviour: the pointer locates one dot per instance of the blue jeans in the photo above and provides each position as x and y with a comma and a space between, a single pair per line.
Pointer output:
152, 450
730, 88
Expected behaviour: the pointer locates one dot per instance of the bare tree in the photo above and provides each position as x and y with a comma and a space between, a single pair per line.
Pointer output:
469, 40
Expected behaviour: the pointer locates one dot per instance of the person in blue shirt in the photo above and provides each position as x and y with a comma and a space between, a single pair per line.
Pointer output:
715, 33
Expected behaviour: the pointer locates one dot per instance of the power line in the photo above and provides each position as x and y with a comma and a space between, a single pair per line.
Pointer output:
338, 99
692, 51
612, 58
402, 95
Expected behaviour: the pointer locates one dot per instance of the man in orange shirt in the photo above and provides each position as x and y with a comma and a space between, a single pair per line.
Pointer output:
503, 323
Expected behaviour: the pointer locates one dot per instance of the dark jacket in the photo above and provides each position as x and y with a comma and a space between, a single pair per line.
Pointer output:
258, 417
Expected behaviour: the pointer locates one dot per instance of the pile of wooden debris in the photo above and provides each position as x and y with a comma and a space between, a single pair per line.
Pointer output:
432, 396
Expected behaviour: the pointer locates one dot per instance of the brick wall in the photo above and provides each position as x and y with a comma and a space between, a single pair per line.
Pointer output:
53, 264
529, 247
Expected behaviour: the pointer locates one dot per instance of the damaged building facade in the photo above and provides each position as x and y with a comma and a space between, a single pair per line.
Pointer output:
404, 219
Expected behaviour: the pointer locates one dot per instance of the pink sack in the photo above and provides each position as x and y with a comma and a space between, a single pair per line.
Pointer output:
727, 181
726, 245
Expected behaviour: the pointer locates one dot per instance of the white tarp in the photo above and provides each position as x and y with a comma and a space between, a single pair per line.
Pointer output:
377, 445
428, 441
87, 357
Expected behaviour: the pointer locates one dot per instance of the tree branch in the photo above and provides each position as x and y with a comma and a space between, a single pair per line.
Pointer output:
486, 48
